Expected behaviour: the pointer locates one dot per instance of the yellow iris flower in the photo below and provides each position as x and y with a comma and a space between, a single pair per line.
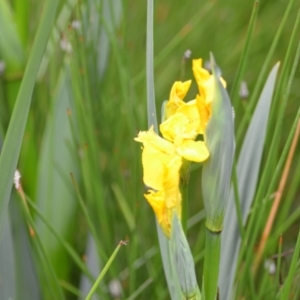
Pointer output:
206, 87
161, 166
163, 157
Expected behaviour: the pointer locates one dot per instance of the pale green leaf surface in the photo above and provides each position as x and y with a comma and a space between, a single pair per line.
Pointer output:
93, 264
7, 264
247, 173
182, 260
27, 282
169, 268
55, 196
216, 172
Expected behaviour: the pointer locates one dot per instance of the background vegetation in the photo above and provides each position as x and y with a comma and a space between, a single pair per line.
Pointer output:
81, 170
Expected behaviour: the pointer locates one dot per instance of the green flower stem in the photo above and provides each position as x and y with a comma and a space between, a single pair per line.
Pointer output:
184, 213
211, 264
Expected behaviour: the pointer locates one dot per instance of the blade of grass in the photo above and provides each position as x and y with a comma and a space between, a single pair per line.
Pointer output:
172, 280
277, 199
104, 270
151, 107
243, 60
267, 187
12, 143
286, 291
262, 74
247, 174
124, 207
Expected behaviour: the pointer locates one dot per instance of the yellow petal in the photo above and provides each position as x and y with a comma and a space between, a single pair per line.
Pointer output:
168, 200
190, 110
177, 94
193, 151
204, 110
204, 81
157, 153
177, 126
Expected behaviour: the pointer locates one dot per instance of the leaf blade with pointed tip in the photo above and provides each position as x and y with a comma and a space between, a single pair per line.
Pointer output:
247, 173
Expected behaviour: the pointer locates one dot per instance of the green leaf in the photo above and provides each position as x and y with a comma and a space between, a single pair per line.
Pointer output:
7, 264
27, 280
11, 51
12, 143
247, 173
216, 172
182, 260
55, 197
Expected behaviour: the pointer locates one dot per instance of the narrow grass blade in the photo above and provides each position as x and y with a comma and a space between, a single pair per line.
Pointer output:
127, 213
164, 244
104, 270
12, 143
11, 50
244, 54
247, 174
92, 263
286, 292
151, 107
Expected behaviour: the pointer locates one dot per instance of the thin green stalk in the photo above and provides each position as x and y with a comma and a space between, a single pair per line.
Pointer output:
244, 55
237, 201
47, 266
184, 214
254, 97
105, 269
211, 264
254, 226
278, 266
256, 219
69, 249
151, 108
288, 282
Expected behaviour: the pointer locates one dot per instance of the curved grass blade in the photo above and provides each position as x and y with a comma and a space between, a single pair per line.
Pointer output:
104, 270
13, 140
247, 174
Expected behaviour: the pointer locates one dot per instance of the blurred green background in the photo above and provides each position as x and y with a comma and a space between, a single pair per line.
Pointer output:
89, 103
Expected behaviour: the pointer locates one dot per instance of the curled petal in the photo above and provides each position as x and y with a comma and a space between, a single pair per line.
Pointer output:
193, 151
177, 94
177, 126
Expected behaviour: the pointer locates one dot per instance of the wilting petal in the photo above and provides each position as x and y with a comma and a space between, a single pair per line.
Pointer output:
193, 151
